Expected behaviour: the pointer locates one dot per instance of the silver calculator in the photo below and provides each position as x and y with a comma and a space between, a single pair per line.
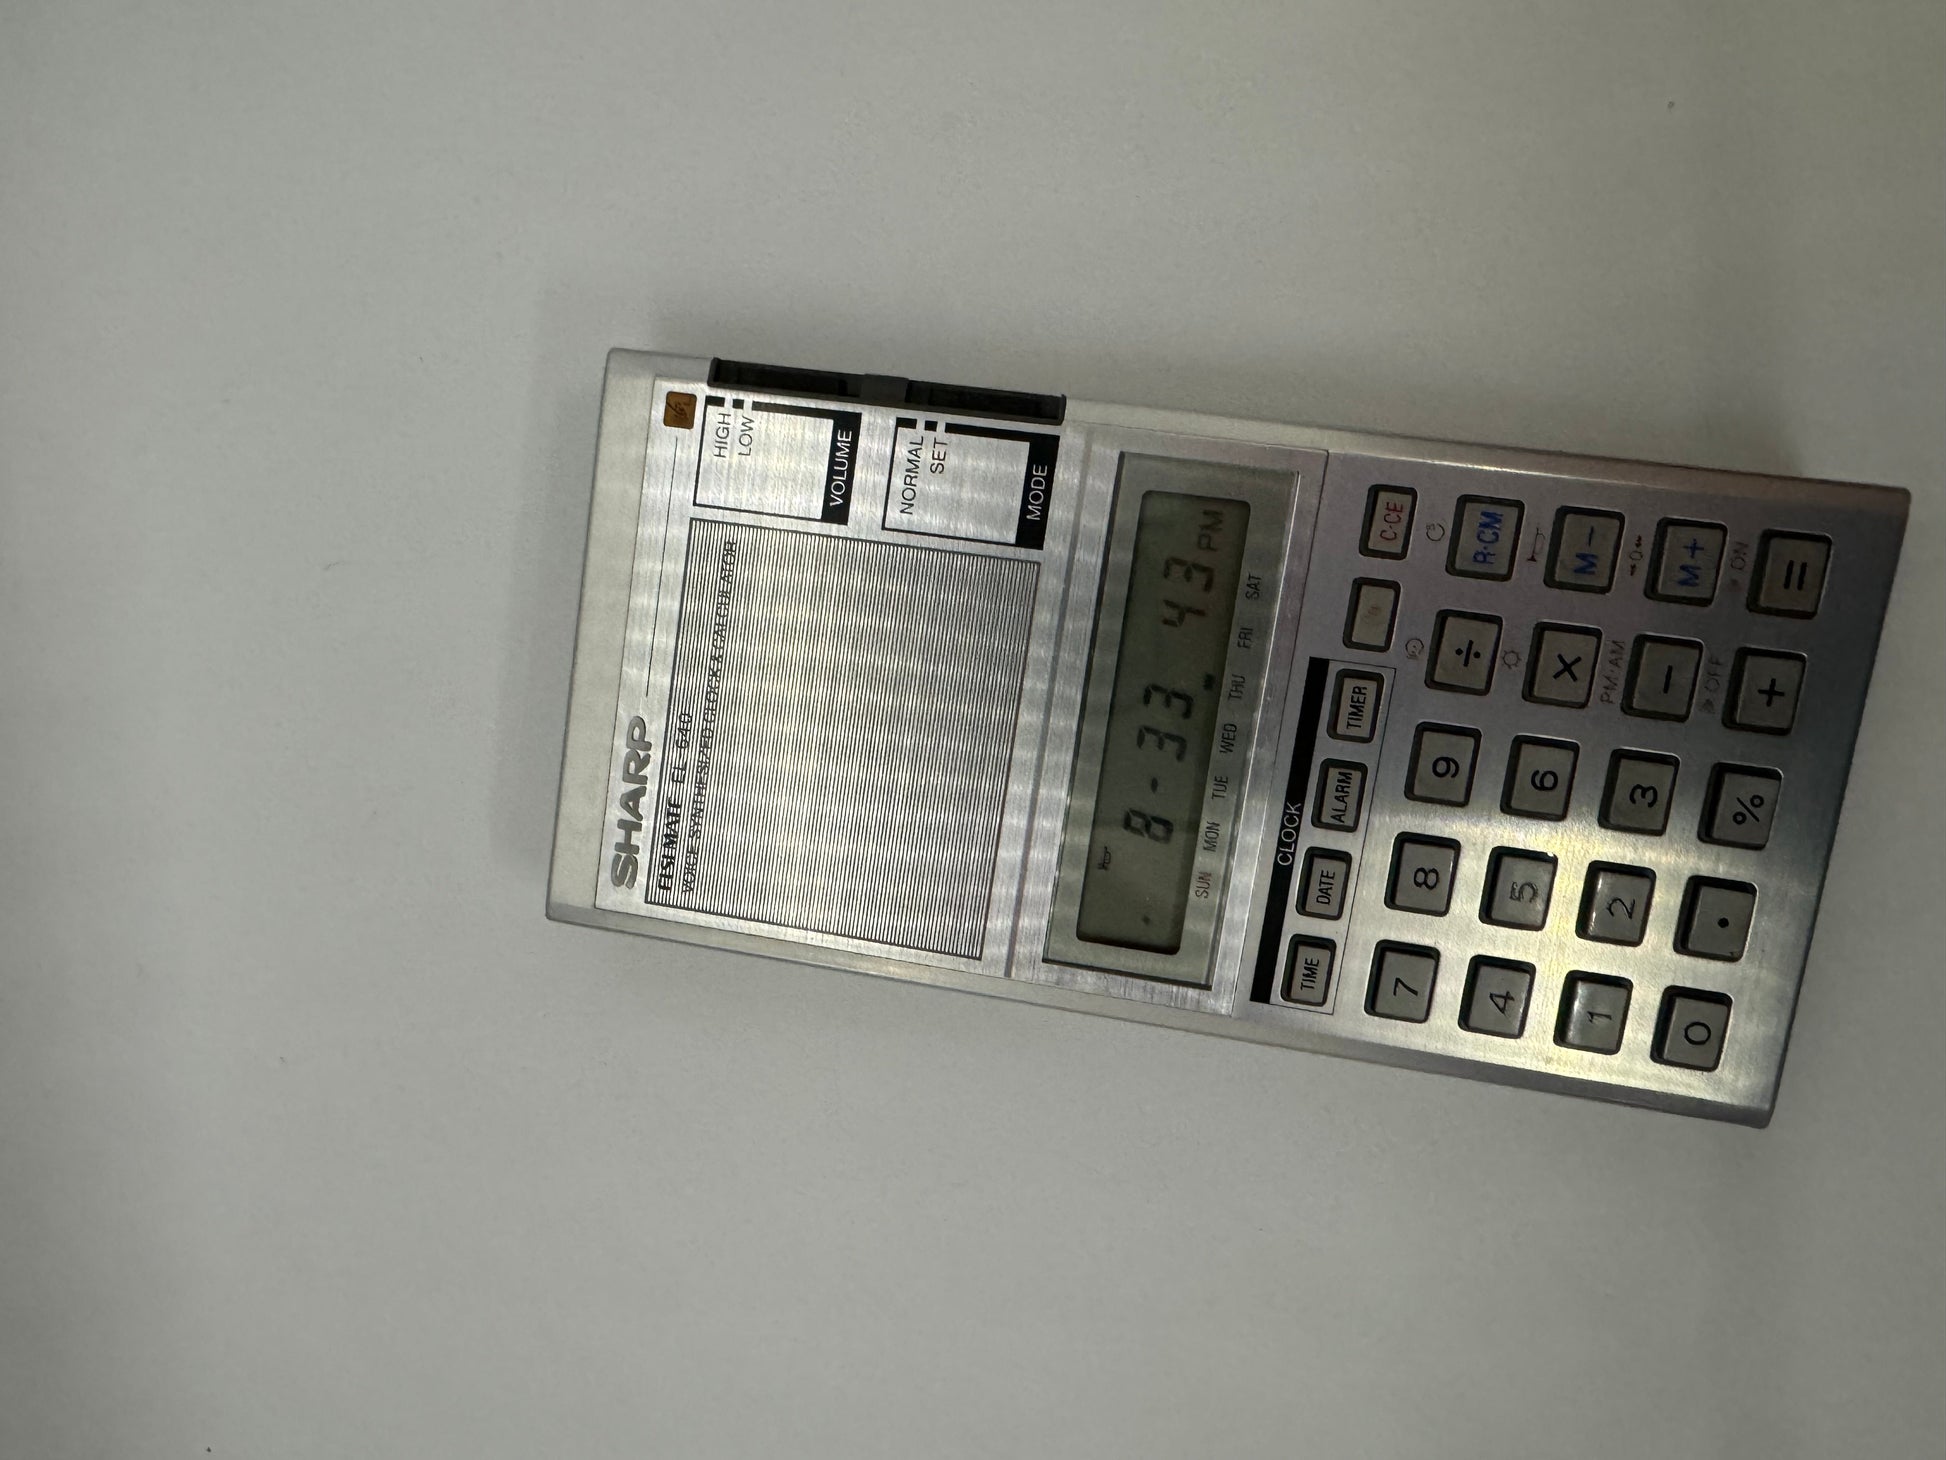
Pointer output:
1497, 763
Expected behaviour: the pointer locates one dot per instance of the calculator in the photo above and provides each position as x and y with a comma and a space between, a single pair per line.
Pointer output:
1498, 763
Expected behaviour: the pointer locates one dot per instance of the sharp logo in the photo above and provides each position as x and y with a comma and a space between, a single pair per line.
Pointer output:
625, 864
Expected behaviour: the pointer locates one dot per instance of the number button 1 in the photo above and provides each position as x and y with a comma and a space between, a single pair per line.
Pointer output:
1540, 776
1594, 1010
1615, 904
1640, 788
1422, 875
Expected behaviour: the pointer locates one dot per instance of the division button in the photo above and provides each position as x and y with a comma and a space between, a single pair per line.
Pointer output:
1561, 670
1594, 1010
1690, 1031
1354, 705
1464, 648
1402, 980
1520, 885
1764, 691
1790, 574
1640, 788
1540, 777
1615, 904
1585, 547
1715, 919
1422, 875
1374, 608
1486, 536
1742, 806
1442, 764
1388, 521
1496, 997
1662, 677
1307, 972
1341, 795
1327, 884
1687, 558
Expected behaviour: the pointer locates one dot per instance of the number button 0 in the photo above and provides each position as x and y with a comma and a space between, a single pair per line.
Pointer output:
1402, 980
1615, 904
1540, 776
1442, 764
1422, 875
1640, 788
1520, 885
1690, 1031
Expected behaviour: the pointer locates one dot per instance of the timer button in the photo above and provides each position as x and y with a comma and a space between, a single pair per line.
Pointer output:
1354, 705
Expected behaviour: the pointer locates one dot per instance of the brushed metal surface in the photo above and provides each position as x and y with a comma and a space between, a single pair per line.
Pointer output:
1303, 553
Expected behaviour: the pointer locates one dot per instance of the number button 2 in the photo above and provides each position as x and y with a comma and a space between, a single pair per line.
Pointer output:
1615, 904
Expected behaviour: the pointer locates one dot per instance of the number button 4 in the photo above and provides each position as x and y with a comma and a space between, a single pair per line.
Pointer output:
1496, 997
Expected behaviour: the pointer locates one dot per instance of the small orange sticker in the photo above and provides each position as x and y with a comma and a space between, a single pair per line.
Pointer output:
679, 410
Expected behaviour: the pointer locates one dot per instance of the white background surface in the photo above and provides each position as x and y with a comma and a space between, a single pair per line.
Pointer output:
316, 1140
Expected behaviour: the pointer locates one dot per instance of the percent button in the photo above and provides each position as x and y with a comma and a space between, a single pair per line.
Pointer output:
1742, 806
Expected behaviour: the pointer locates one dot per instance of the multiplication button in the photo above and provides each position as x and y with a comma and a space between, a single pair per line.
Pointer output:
1486, 535
1687, 558
1464, 648
1585, 546
1561, 670
1790, 574
1764, 691
1742, 806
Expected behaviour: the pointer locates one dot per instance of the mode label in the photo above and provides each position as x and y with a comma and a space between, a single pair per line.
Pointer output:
973, 483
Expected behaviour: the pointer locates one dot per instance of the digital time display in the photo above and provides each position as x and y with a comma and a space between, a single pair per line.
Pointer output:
1162, 717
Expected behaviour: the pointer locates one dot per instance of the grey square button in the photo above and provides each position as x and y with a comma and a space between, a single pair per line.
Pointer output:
1790, 574
1374, 607
1715, 920
1688, 556
1354, 705
1422, 875
1561, 670
1486, 537
1442, 764
1464, 648
1585, 546
1520, 885
1662, 677
1327, 883
1615, 903
1766, 692
1742, 806
1594, 1011
1640, 788
1496, 997
1341, 795
1690, 1032
1540, 777
1307, 972
1402, 980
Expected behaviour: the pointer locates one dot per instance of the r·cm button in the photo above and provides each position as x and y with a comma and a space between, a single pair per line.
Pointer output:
1354, 705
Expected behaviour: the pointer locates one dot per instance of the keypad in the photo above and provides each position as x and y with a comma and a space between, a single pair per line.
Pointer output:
1520, 887
1584, 549
1388, 521
1442, 764
1540, 778
1594, 1012
1662, 677
1742, 806
1422, 875
1402, 982
1486, 538
1790, 574
1341, 796
1496, 997
1640, 788
1764, 691
1465, 647
1615, 904
1374, 609
1716, 918
1307, 971
1561, 669
1688, 557
1691, 1030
